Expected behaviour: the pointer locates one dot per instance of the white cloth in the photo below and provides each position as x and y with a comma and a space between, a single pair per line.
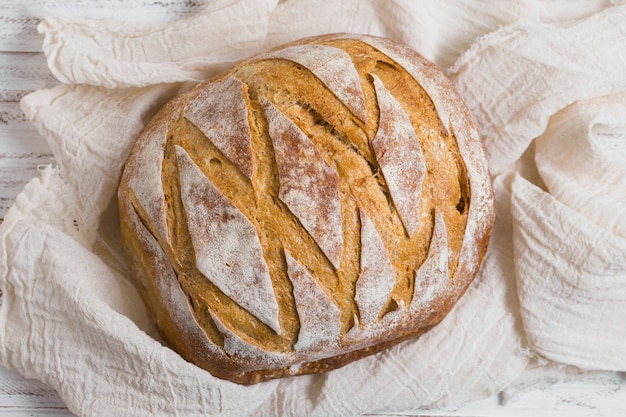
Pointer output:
562, 86
545, 89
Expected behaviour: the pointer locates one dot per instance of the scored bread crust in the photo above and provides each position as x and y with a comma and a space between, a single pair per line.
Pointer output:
315, 204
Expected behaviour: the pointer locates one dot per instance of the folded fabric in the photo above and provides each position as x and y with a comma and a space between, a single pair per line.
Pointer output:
581, 159
123, 54
532, 71
71, 317
570, 241
571, 276
559, 102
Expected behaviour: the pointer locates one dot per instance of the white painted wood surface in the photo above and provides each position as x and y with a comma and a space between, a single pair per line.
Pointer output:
23, 69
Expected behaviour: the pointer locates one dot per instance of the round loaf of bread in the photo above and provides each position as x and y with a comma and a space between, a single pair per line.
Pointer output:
315, 204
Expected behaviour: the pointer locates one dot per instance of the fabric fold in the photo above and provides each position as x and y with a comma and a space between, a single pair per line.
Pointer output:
581, 158
571, 276
96, 326
548, 98
129, 54
533, 71
90, 131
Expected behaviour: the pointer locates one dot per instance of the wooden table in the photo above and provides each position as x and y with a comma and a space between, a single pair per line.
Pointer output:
22, 151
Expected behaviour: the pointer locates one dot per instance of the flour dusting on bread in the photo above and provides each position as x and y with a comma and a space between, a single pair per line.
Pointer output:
315, 204
226, 245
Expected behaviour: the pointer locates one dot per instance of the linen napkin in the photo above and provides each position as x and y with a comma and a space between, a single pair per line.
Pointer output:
71, 317
567, 111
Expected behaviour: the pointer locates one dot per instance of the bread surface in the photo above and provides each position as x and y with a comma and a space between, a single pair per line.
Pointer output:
315, 204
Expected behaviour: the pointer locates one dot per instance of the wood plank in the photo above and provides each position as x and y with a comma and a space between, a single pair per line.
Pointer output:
21, 73
22, 152
33, 412
18, 135
15, 173
19, 395
19, 20
18, 32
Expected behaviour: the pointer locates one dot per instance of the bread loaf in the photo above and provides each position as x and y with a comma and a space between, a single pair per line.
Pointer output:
314, 204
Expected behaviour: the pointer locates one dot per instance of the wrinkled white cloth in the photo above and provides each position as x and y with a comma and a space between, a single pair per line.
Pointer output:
558, 92
545, 82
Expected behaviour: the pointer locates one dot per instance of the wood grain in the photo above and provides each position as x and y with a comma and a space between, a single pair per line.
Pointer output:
22, 152
21, 73
19, 396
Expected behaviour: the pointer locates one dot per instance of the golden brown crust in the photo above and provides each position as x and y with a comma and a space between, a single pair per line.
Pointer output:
313, 205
